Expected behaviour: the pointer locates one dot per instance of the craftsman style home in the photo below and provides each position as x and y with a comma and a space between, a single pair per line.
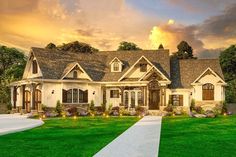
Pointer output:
148, 78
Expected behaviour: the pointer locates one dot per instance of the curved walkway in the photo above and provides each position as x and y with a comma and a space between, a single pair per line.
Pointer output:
10, 123
140, 140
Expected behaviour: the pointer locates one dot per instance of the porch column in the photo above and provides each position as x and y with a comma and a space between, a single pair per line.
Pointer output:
33, 96
14, 96
23, 96
164, 96
122, 95
161, 97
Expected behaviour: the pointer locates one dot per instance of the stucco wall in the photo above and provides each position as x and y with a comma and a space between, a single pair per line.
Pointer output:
185, 92
113, 101
218, 88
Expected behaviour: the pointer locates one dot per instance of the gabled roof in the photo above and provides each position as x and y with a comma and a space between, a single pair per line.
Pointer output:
212, 72
116, 58
70, 67
186, 71
53, 62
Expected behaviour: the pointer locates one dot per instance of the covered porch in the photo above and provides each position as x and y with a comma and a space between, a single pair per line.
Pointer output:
26, 97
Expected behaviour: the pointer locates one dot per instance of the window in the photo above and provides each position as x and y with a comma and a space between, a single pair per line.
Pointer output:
140, 98
34, 67
143, 67
126, 97
132, 99
75, 74
177, 100
75, 95
208, 91
116, 66
114, 93
83, 96
72, 96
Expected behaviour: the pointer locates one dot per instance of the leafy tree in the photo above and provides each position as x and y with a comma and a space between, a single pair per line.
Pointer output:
50, 46
77, 46
126, 46
228, 65
12, 63
185, 51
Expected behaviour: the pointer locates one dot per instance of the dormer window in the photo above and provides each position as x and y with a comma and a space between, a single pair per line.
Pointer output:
116, 65
143, 67
34, 67
75, 74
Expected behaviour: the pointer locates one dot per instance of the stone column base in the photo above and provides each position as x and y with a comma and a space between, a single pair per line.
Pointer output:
34, 112
23, 111
14, 110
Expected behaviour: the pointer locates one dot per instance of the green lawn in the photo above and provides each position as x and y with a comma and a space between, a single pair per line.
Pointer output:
65, 137
193, 137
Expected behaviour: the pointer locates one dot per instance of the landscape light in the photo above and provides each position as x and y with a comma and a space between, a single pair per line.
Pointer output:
75, 117
107, 116
225, 114
64, 116
104, 114
121, 114
44, 116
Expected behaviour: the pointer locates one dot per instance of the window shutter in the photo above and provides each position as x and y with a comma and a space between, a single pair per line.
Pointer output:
86, 96
181, 101
170, 100
64, 95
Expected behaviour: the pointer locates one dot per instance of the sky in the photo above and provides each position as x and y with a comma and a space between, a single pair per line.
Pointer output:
207, 25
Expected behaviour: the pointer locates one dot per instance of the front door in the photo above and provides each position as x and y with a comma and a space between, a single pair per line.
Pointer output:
154, 99
27, 101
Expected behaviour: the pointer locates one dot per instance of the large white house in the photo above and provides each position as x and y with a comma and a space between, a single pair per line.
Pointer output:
147, 78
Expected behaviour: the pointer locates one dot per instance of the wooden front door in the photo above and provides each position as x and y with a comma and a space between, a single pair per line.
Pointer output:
154, 99
27, 101
37, 99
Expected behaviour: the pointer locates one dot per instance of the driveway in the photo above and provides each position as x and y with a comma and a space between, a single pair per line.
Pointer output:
140, 140
10, 123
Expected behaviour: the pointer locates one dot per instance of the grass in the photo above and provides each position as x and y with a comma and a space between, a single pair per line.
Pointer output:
82, 137
198, 137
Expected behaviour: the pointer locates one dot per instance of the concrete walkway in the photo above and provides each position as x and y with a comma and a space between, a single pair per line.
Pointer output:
10, 123
140, 140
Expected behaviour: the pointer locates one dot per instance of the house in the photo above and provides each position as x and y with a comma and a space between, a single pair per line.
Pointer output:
148, 78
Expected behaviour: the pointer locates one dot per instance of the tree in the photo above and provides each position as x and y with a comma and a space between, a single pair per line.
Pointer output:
126, 46
77, 46
185, 51
50, 46
228, 65
12, 64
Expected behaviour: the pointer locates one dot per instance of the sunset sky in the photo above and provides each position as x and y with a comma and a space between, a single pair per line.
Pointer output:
207, 25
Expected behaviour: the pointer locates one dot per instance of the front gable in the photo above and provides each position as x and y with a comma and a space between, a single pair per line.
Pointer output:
76, 72
154, 72
32, 69
208, 76
135, 72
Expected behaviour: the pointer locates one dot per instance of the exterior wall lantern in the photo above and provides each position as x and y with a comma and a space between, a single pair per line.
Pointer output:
93, 92
52, 91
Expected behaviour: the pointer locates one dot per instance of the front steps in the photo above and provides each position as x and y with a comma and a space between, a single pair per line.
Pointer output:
155, 113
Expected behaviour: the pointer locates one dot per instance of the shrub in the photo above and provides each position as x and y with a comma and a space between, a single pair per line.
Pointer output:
91, 105
168, 108
224, 108
73, 111
140, 110
103, 106
198, 109
115, 111
59, 108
